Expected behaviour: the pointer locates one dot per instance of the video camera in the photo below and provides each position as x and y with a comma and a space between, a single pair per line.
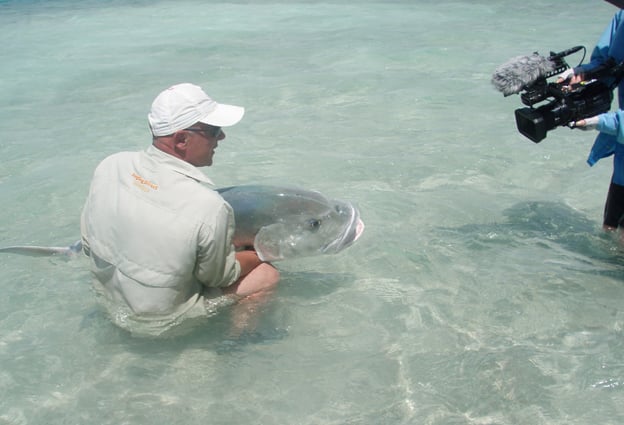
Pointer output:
566, 103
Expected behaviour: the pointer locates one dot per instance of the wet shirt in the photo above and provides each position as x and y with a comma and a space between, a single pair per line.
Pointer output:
157, 236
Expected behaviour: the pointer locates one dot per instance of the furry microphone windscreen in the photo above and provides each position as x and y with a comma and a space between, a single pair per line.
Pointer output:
520, 71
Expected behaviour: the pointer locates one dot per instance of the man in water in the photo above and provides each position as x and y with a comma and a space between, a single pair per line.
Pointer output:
158, 237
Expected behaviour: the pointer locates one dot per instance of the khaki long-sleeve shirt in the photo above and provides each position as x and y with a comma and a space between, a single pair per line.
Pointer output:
157, 235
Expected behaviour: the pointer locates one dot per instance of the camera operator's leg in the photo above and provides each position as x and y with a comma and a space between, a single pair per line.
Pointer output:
614, 208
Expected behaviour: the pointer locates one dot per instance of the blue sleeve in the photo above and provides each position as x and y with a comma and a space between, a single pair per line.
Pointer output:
610, 44
611, 123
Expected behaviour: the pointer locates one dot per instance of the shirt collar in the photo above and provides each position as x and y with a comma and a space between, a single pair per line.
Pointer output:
177, 165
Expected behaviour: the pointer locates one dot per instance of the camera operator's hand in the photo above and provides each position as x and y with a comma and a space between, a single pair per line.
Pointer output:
587, 123
570, 76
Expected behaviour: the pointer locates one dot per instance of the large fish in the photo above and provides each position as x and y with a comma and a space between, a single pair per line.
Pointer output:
283, 222
279, 222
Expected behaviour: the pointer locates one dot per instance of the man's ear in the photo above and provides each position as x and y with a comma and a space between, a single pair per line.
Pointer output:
180, 140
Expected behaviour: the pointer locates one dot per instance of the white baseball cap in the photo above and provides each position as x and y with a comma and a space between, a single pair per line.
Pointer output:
182, 105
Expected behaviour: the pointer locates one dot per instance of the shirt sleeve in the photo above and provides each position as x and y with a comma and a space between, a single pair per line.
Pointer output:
216, 257
609, 44
611, 123
86, 248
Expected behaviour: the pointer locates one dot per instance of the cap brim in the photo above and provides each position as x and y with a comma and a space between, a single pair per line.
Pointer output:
618, 3
224, 115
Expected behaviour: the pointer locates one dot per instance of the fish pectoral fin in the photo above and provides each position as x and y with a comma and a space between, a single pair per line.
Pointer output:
267, 242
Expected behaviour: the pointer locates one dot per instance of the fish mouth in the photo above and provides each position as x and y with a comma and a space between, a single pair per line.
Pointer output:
359, 229
351, 233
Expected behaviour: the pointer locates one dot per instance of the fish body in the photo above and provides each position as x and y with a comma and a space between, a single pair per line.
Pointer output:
289, 222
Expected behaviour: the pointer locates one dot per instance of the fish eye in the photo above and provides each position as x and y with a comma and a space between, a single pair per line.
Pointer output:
314, 224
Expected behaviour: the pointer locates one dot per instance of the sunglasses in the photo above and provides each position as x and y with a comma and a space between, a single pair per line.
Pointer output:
209, 132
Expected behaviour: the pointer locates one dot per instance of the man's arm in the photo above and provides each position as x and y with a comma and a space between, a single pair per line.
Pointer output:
255, 276
248, 261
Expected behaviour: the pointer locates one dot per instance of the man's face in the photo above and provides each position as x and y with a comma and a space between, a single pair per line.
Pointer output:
201, 142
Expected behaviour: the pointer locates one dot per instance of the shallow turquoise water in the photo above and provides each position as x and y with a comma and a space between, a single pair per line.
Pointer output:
482, 292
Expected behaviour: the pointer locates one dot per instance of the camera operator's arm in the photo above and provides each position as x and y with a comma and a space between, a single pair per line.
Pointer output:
609, 123
610, 45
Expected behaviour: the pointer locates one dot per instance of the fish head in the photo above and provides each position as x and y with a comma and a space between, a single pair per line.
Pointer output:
319, 226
